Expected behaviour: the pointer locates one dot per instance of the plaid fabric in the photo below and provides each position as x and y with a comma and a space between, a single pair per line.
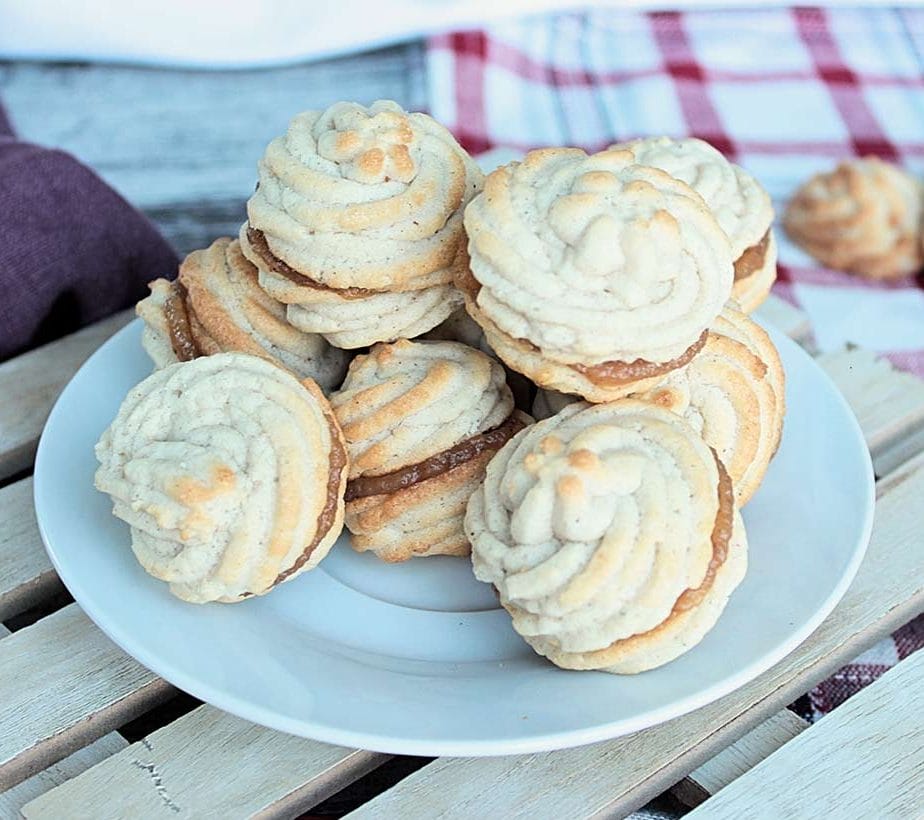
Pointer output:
783, 92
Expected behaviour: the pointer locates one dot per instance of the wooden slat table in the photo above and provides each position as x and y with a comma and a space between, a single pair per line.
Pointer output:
71, 701
66, 690
183, 145
865, 759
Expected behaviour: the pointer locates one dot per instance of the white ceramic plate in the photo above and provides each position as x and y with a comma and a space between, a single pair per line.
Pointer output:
418, 658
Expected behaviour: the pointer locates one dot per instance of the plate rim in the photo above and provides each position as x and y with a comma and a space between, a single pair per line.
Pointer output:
549, 741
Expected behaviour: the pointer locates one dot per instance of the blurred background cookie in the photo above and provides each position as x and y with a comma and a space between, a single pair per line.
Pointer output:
864, 217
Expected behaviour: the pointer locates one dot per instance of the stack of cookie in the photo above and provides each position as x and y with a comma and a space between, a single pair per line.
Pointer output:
421, 420
611, 529
356, 223
611, 534
739, 203
593, 275
731, 393
618, 284
354, 236
216, 305
865, 217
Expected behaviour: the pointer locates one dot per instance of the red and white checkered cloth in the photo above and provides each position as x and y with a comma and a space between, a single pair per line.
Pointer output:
783, 92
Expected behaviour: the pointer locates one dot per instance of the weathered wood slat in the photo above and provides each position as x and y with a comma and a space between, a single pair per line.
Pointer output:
63, 684
209, 764
888, 403
906, 470
614, 777
29, 385
183, 145
26, 574
865, 759
12, 801
35, 545
742, 756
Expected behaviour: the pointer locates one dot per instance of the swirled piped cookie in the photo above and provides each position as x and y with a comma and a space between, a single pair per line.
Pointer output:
611, 535
460, 327
593, 275
421, 421
230, 473
863, 217
732, 394
216, 305
738, 201
736, 325
356, 223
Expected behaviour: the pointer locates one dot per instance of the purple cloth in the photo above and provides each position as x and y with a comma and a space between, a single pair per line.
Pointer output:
72, 250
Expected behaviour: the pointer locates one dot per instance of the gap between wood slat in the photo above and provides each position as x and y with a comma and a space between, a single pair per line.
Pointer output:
893, 454
864, 759
613, 778
209, 764
744, 754
906, 471
30, 384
